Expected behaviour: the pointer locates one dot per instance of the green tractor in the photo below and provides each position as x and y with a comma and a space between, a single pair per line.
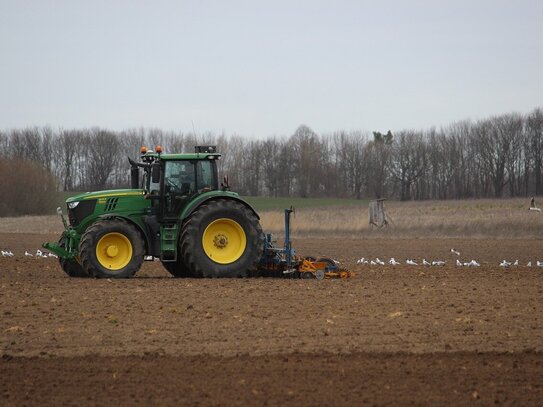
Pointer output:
176, 212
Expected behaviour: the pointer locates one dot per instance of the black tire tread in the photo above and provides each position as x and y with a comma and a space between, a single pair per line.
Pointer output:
87, 249
71, 267
177, 269
190, 232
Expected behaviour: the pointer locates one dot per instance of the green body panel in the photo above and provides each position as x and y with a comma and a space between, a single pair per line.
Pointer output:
105, 194
129, 204
198, 200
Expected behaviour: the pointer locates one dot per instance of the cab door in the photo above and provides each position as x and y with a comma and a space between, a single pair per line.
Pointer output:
179, 187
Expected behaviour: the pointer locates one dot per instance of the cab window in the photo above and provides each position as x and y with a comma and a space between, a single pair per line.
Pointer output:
205, 176
180, 178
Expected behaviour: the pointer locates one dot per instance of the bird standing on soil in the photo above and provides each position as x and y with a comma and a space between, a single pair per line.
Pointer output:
533, 206
438, 263
539, 263
505, 263
425, 263
411, 262
393, 261
459, 263
529, 264
362, 260
28, 254
453, 250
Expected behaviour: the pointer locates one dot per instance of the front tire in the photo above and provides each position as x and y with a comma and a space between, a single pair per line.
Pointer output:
71, 267
111, 248
222, 238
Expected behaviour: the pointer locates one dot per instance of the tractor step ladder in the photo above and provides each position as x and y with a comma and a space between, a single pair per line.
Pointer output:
168, 242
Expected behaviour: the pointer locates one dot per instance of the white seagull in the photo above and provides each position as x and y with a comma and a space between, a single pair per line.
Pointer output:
453, 250
411, 262
28, 254
426, 263
472, 263
505, 263
362, 260
438, 263
533, 206
52, 255
529, 264
459, 263
393, 261
379, 261
515, 263
539, 263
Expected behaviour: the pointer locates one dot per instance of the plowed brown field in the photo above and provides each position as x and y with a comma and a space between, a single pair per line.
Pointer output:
391, 335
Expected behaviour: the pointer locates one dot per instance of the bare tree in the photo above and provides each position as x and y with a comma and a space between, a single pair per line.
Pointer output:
534, 129
408, 160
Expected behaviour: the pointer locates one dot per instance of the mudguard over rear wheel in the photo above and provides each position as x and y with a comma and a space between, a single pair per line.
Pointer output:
111, 248
222, 238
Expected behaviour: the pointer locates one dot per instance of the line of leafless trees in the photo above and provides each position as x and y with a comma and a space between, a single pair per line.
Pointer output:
495, 157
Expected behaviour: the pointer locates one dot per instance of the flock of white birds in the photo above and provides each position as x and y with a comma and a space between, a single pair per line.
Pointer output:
39, 254
363, 261
424, 262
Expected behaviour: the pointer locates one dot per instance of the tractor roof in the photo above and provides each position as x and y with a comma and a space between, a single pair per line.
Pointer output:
190, 156
182, 156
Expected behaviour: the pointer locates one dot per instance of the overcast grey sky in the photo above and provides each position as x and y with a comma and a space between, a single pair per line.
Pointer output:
258, 68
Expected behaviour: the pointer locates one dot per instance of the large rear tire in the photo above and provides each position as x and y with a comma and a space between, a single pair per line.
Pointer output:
111, 248
222, 238
177, 268
71, 267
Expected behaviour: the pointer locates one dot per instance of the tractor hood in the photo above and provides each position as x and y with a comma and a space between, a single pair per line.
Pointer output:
105, 194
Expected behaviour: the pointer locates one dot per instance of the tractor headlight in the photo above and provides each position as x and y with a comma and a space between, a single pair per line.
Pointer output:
72, 205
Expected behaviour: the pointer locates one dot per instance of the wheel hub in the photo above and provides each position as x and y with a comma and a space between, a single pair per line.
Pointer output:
220, 241
112, 250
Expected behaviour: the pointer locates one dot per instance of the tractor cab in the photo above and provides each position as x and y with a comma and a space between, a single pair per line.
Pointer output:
171, 181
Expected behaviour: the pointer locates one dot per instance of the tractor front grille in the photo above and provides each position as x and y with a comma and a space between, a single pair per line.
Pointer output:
81, 211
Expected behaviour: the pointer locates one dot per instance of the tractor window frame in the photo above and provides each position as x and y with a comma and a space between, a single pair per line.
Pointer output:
206, 178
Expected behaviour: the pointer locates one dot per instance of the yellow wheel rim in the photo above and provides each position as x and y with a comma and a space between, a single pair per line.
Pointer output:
114, 251
224, 241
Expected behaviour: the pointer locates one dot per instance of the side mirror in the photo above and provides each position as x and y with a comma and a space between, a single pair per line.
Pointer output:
134, 177
225, 184
155, 173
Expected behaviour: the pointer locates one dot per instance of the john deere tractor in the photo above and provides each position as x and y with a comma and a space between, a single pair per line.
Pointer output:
176, 211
